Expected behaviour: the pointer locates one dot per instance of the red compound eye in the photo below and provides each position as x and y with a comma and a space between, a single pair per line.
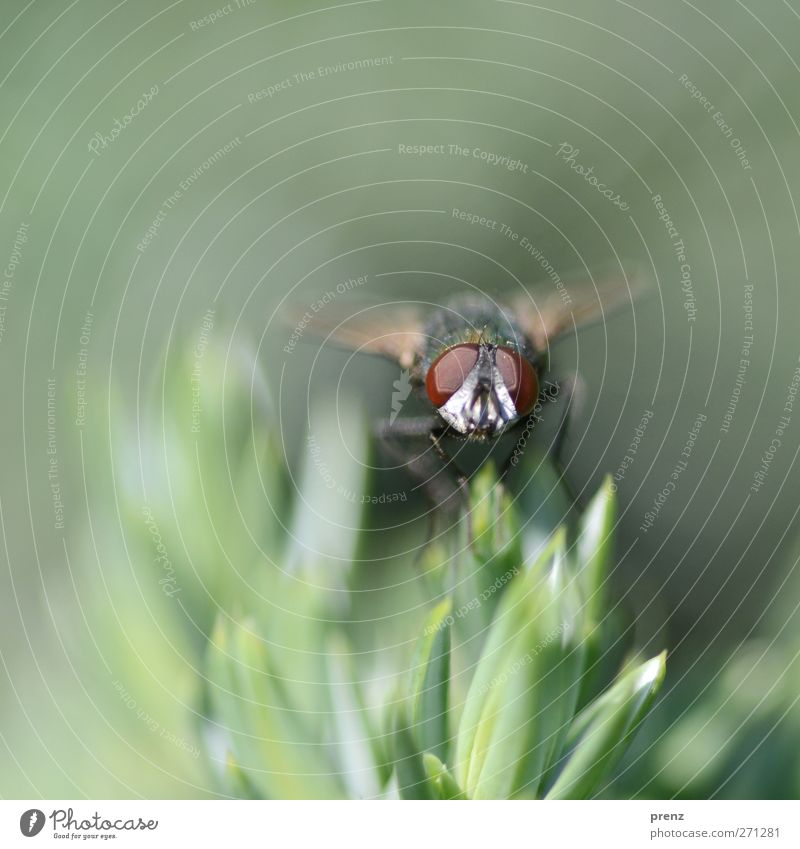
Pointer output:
448, 371
519, 377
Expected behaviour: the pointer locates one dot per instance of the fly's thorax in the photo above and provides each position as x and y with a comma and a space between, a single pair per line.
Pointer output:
471, 320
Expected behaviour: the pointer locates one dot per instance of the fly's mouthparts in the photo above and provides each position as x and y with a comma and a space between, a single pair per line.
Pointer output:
482, 405
485, 411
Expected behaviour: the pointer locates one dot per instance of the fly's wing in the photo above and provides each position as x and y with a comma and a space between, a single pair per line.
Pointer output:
389, 330
578, 303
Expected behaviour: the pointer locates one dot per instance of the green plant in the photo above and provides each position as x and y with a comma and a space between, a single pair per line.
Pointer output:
517, 686
522, 732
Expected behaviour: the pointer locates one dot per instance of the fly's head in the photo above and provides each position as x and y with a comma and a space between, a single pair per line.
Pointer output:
481, 388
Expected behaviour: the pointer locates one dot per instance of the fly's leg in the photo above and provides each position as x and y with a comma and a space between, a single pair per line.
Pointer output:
461, 479
441, 452
414, 426
568, 395
433, 467
572, 393
547, 395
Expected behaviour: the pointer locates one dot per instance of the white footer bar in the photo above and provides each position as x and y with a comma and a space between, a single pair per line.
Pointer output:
410, 825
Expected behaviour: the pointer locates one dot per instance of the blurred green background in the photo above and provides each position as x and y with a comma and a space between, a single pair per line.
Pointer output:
271, 159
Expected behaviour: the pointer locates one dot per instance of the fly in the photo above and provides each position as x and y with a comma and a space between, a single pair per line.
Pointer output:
478, 365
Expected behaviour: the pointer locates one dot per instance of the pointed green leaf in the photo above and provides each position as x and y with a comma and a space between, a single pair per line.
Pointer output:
595, 550
511, 616
525, 688
212, 469
496, 543
490, 555
326, 520
542, 495
444, 782
355, 736
430, 682
605, 728
606, 622
238, 780
279, 748
412, 779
